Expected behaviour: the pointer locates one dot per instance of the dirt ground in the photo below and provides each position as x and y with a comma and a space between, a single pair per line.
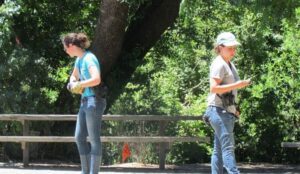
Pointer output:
59, 168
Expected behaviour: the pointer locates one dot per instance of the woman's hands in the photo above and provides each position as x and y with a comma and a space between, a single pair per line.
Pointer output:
243, 83
75, 87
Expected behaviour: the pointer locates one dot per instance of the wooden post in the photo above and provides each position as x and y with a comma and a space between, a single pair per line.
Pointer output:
25, 146
162, 146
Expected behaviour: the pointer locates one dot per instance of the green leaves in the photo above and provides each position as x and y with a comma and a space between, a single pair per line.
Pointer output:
173, 77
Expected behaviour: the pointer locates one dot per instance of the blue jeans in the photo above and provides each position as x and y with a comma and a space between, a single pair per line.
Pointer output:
223, 153
89, 124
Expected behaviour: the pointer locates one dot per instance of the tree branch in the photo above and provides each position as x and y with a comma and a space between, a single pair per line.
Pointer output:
144, 32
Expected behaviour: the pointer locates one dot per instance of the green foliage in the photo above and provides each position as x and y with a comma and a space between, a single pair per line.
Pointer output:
171, 80
34, 69
272, 105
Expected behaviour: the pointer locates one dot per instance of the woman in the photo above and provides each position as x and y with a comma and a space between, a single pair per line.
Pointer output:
222, 112
85, 75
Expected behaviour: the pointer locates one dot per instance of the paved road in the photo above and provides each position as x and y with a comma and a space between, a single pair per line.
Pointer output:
57, 171
45, 171
135, 169
32, 171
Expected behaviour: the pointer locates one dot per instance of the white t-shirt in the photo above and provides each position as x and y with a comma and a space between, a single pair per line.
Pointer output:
221, 70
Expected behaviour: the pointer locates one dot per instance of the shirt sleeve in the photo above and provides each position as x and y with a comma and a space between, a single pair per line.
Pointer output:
76, 65
216, 71
92, 61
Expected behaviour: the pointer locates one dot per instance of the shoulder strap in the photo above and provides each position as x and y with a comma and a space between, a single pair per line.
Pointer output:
230, 66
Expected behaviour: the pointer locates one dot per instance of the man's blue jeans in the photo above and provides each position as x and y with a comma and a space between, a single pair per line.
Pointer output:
89, 124
223, 153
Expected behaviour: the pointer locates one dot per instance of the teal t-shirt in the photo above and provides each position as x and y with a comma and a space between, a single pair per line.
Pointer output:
83, 64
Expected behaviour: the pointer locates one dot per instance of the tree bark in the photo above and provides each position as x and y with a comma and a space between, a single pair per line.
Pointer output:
143, 33
109, 34
121, 51
157, 18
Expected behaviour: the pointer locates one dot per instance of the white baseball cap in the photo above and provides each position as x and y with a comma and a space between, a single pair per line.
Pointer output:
227, 39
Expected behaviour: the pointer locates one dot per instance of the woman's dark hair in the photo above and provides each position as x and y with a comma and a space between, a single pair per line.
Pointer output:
78, 39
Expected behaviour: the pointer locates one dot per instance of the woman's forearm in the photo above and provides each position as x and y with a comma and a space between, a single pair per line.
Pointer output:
220, 89
90, 82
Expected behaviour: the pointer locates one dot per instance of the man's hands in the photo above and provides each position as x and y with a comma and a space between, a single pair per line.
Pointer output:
75, 87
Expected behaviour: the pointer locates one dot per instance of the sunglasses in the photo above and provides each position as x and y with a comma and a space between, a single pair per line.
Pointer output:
229, 47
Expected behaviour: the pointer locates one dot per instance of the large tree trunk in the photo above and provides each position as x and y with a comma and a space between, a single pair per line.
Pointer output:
120, 50
143, 33
109, 34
